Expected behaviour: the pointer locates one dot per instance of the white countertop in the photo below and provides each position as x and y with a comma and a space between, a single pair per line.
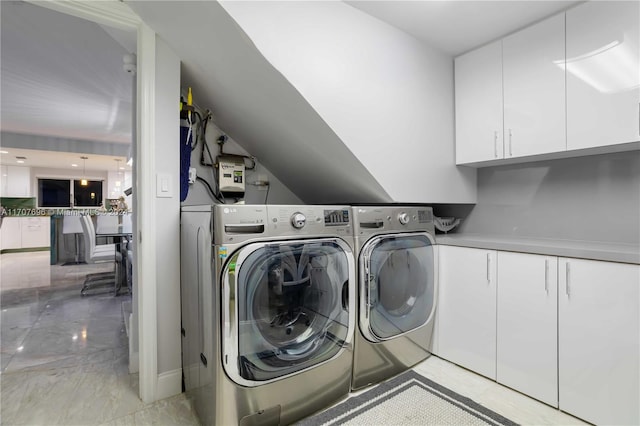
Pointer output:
596, 250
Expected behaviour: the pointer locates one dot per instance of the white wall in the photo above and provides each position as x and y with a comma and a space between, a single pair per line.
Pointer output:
256, 105
386, 95
277, 193
167, 210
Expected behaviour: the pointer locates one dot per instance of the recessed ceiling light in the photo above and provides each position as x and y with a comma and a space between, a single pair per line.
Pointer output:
121, 168
4, 152
74, 165
20, 161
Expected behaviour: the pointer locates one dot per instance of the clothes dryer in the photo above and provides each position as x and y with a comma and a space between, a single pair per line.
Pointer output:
397, 290
268, 309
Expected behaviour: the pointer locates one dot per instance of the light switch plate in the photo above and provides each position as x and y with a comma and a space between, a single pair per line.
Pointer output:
164, 188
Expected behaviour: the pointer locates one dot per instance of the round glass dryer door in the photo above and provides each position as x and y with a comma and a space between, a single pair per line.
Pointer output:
397, 285
286, 307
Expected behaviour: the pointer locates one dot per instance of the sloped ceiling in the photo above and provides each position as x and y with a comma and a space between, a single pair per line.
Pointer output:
257, 106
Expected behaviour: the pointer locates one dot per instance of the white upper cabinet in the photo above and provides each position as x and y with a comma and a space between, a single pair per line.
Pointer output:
478, 77
534, 89
16, 181
569, 86
603, 74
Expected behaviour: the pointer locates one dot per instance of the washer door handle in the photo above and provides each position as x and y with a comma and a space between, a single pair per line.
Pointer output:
345, 296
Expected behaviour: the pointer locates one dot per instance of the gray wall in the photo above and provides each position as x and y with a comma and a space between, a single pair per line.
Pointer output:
595, 198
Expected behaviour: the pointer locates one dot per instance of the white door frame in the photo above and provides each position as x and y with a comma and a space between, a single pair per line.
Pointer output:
118, 15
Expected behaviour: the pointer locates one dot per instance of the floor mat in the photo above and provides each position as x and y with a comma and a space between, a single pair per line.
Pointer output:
408, 399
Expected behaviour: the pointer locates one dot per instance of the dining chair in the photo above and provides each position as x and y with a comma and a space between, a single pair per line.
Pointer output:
71, 225
98, 254
108, 221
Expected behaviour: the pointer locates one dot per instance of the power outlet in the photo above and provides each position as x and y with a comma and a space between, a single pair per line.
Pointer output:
261, 182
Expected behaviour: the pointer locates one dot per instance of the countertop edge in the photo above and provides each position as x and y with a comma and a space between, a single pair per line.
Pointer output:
592, 250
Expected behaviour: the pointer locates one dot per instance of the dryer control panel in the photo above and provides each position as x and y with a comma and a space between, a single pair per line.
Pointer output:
370, 220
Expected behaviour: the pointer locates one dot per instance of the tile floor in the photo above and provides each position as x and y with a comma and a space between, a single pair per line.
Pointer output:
65, 358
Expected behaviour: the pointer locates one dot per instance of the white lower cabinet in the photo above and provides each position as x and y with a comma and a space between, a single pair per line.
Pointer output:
25, 232
35, 232
527, 345
467, 308
10, 233
599, 340
564, 331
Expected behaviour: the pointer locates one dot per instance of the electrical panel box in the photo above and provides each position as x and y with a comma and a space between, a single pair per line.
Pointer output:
231, 175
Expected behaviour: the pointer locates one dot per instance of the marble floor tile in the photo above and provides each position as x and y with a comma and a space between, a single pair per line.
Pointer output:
38, 398
100, 396
171, 411
57, 341
12, 338
13, 274
65, 357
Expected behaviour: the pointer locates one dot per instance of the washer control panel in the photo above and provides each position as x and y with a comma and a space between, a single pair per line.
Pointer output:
293, 220
403, 218
298, 220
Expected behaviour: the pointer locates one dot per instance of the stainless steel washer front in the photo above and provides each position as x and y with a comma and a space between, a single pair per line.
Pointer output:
269, 301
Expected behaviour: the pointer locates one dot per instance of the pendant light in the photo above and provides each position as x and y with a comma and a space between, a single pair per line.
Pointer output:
84, 182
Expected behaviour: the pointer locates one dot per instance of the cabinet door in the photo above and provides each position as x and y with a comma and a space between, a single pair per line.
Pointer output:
603, 74
478, 83
534, 89
35, 232
467, 308
18, 181
10, 233
599, 340
527, 333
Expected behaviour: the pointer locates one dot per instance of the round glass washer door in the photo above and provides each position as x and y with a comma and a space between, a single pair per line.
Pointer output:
286, 307
397, 275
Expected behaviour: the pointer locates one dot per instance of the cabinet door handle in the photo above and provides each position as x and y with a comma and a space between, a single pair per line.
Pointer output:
546, 276
510, 137
495, 144
568, 276
488, 268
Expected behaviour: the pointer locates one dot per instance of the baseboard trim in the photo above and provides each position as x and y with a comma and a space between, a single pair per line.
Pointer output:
169, 384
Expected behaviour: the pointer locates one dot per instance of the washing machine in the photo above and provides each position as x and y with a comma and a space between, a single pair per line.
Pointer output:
397, 284
268, 310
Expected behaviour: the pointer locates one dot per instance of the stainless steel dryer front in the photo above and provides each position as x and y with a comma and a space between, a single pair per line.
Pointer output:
272, 317
397, 290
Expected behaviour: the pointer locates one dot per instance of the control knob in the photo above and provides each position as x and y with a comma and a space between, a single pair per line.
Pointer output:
298, 220
403, 218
